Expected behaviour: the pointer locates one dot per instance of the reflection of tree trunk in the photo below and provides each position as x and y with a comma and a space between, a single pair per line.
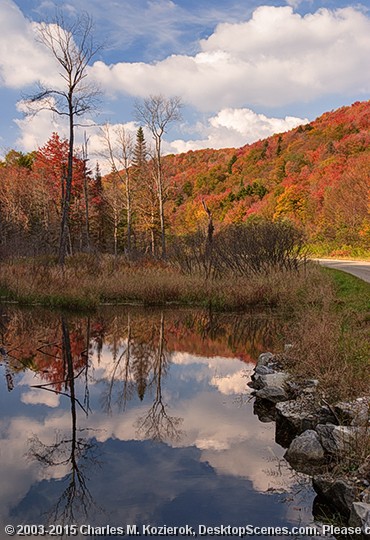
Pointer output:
160, 358
157, 424
124, 373
86, 354
76, 497
70, 381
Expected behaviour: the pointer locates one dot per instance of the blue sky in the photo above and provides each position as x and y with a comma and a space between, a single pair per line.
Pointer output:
244, 69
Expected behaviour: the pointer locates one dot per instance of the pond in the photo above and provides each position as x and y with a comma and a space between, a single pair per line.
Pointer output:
139, 417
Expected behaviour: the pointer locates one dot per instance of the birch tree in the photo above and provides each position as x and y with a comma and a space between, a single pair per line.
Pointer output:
119, 148
157, 113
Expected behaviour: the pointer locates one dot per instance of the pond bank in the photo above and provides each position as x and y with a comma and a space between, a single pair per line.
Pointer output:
328, 441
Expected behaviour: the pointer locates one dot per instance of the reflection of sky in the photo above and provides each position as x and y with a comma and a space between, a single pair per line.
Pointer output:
222, 470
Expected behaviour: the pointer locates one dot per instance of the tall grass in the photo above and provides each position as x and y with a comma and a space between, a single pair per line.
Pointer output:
331, 338
88, 281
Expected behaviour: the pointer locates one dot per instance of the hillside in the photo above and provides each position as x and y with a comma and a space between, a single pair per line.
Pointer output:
317, 176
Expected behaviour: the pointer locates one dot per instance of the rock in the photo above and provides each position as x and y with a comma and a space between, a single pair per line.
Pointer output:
265, 358
336, 440
306, 449
275, 379
293, 418
364, 470
325, 415
263, 370
353, 413
360, 517
264, 410
272, 393
312, 383
337, 494
365, 495
269, 380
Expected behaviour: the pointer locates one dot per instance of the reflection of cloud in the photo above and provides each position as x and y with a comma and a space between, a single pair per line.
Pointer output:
159, 484
227, 436
231, 384
17, 473
37, 397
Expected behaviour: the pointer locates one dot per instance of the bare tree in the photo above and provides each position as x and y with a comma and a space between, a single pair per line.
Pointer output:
157, 113
72, 45
86, 177
119, 153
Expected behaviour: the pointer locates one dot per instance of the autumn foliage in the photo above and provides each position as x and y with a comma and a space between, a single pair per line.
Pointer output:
315, 177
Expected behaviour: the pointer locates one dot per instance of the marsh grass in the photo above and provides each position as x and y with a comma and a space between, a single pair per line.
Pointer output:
88, 281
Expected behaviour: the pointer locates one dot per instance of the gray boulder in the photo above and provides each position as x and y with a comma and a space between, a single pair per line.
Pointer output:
353, 413
263, 370
265, 358
339, 495
360, 517
274, 379
306, 449
298, 415
274, 394
337, 440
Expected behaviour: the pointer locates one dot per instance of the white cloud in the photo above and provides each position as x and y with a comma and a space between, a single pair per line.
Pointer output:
35, 131
23, 60
235, 128
231, 384
228, 128
275, 58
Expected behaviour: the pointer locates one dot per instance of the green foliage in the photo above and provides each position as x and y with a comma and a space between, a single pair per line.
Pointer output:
188, 188
231, 163
256, 188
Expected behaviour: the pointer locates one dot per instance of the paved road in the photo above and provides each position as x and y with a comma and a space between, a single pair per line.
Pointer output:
359, 269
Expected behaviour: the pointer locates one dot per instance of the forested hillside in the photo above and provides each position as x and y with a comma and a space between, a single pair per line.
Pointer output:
317, 176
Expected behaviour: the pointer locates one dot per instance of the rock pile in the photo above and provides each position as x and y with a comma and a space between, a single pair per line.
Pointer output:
317, 435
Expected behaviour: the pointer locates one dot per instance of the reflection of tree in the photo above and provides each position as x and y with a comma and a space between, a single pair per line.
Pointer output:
158, 424
139, 365
209, 333
120, 372
75, 450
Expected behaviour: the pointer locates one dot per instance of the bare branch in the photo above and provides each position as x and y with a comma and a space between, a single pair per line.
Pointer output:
71, 44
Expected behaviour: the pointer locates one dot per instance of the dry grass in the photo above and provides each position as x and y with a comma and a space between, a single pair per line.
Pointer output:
88, 281
331, 339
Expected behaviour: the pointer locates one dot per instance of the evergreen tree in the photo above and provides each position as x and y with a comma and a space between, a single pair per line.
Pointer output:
146, 193
140, 151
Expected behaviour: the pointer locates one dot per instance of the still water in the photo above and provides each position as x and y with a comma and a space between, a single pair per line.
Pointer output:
133, 417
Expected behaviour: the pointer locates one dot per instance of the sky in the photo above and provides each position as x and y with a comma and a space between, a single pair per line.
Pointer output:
244, 69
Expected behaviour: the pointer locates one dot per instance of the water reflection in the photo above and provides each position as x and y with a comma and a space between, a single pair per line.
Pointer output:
75, 450
155, 397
